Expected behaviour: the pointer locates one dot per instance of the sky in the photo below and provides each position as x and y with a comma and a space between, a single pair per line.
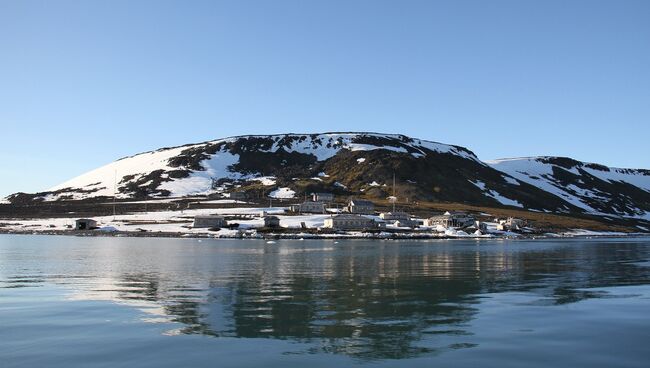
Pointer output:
83, 83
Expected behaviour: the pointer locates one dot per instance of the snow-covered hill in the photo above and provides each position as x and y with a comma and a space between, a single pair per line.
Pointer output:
362, 164
594, 188
189, 170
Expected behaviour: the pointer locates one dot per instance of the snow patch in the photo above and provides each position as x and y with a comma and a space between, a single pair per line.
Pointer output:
511, 180
494, 194
284, 192
266, 180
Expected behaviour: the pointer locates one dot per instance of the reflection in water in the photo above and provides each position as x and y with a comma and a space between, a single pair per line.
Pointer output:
366, 299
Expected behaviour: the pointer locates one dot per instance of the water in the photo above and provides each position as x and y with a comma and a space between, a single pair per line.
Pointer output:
126, 302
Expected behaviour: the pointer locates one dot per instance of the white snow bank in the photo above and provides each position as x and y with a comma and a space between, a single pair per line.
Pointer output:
283, 192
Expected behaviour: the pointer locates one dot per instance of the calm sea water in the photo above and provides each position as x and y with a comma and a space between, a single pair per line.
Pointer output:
137, 302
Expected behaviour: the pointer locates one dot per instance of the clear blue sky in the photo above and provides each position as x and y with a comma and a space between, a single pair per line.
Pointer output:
85, 82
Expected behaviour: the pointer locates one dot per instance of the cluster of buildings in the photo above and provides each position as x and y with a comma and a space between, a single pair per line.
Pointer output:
447, 220
356, 215
321, 201
350, 217
399, 219
458, 220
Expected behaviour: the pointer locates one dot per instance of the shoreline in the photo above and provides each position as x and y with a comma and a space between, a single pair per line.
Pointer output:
305, 236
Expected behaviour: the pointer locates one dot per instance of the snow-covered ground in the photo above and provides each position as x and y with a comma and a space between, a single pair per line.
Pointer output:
168, 221
266, 180
159, 221
180, 222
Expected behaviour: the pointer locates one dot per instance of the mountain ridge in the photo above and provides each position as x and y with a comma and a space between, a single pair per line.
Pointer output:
286, 134
586, 163
362, 164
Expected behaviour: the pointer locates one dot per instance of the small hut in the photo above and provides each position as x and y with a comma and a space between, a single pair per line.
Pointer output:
271, 221
85, 224
209, 221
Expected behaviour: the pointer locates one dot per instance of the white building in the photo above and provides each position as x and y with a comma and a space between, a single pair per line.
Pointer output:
401, 219
481, 226
451, 219
349, 222
511, 224
394, 216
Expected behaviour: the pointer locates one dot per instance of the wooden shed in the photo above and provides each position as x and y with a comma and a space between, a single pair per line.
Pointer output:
85, 224
209, 221
271, 221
